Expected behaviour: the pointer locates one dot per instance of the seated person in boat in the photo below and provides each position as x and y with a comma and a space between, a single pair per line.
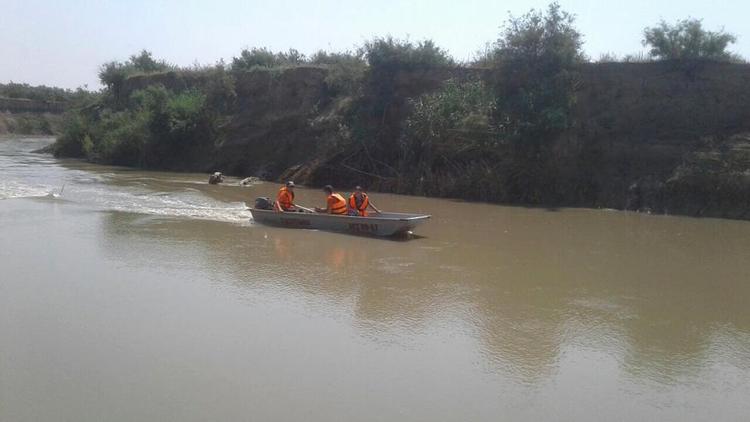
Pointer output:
359, 202
335, 203
285, 198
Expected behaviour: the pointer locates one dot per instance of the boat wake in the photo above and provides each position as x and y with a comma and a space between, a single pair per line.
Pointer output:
41, 177
13, 189
187, 203
177, 204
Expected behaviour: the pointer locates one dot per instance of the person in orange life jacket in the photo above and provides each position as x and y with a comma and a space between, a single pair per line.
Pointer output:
359, 202
285, 198
335, 203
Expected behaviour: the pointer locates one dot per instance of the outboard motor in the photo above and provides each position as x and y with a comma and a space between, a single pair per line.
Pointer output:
263, 203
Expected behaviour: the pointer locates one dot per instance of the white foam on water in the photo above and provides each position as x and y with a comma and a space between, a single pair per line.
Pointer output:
28, 175
169, 206
14, 189
186, 203
189, 203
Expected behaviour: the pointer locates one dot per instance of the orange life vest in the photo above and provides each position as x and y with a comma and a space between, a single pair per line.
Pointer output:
285, 199
362, 208
336, 204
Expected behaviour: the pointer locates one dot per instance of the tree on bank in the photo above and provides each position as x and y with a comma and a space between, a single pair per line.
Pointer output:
687, 39
113, 74
493, 140
536, 62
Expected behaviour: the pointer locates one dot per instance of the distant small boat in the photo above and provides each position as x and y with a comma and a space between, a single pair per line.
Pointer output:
378, 224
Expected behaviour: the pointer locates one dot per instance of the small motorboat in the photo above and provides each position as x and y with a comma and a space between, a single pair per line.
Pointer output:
377, 224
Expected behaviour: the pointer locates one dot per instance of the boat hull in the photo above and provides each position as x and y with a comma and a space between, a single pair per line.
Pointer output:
384, 224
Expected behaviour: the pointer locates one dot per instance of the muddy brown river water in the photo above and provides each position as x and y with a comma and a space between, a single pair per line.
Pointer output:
142, 296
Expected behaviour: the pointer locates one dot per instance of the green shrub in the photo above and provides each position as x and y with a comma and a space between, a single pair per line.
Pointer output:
445, 124
374, 118
113, 74
392, 53
44, 125
263, 57
159, 129
174, 124
39, 93
536, 68
687, 39
122, 139
87, 146
70, 142
219, 89
448, 141
345, 71
484, 57
25, 125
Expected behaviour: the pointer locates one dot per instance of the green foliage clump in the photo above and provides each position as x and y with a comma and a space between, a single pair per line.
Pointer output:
177, 123
453, 120
74, 130
265, 58
162, 129
449, 134
218, 87
471, 140
536, 79
392, 53
536, 60
687, 39
154, 126
113, 74
372, 120
345, 71
39, 93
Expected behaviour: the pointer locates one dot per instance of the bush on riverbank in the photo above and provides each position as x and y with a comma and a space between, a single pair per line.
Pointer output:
688, 40
160, 129
38, 93
450, 138
113, 74
467, 138
374, 121
537, 60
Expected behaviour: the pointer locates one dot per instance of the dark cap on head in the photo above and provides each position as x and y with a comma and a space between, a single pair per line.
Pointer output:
328, 188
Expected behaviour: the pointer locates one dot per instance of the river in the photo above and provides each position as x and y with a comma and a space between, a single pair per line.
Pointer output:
133, 295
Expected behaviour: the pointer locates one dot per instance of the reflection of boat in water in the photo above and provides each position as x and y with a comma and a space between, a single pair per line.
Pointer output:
380, 224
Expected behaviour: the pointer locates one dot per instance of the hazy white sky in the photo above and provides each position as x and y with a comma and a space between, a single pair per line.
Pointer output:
62, 43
